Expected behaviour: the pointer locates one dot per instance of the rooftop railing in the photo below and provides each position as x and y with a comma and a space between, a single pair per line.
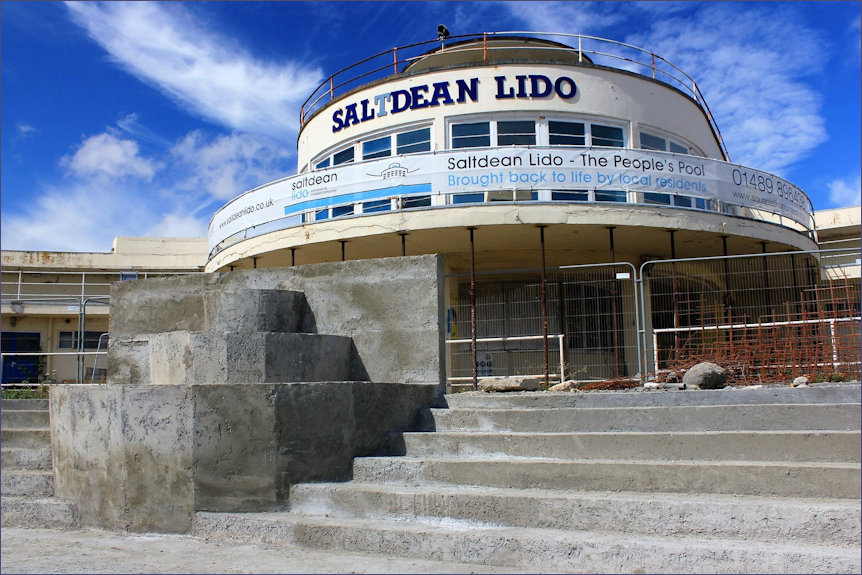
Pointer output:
598, 52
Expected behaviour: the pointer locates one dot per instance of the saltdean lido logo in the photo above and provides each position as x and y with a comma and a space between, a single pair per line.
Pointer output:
528, 86
395, 170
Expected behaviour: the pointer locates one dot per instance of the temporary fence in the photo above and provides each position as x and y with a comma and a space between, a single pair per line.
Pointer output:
764, 317
588, 312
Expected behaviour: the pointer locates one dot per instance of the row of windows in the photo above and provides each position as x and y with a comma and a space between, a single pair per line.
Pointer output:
92, 340
493, 133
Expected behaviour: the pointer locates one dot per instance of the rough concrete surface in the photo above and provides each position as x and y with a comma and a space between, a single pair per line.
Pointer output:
93, 551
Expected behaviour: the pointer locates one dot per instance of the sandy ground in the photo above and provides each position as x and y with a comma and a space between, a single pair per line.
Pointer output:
92, 551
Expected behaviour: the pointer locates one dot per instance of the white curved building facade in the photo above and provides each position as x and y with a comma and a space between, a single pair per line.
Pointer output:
503, 133
505, 152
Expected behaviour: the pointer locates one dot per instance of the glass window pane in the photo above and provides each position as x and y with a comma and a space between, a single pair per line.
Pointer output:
343, 157
468, 198
516, 133
413, 142
342, 210
570, 196
654, 198
471, 135
566, 134
416, 202
323, 164
321, 214
683, 201
376, 206
379, 148
612, 196
650, 142
678, 148
607, 136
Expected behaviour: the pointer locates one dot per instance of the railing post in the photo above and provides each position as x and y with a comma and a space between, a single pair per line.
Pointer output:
332, 87
395, 60
20, 280
653, 65
484, 46
580, 52
473, 310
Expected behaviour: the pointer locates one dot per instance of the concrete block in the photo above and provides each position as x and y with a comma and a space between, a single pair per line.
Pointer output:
207, 358
144, 458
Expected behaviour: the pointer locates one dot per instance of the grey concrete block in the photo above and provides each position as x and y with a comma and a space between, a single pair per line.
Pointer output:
10, 404
27, 483
24, 418
32, 438
26, 458
207, 358
143, 458
28, 513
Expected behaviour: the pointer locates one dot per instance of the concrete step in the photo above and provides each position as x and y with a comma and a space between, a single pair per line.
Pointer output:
807, 446
27, 483
47, 513
640, 397
780, 479
24, 418
782, 520
801, 417
33, 438
519, 547
11, 404
26, 458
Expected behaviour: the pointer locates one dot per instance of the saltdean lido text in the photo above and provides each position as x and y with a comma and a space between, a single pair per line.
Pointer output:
528, 86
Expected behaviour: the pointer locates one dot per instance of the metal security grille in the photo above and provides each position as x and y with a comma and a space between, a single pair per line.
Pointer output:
591, 319
766, 317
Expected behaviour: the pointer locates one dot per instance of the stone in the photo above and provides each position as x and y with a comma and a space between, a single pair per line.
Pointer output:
705, 375
570, 385
800, 381
514, 383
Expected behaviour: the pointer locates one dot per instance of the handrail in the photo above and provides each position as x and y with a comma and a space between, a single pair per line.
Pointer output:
400, 55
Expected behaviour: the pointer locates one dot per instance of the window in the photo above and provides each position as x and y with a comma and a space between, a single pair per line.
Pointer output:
342, 157
650, 142
468, 198
379, 148
376, 206
579, 196
323, 164
69, 340
474, 135
414, 142
416, 202
342, 211
610, 136
566, 134
516, 133
611, 196
653, 142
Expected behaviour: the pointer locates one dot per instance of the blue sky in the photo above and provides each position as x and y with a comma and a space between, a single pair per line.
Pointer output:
135, 118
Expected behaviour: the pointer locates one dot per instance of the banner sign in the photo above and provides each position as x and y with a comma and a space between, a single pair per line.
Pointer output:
545, 168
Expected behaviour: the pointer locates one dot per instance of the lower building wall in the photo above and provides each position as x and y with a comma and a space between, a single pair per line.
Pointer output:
145, 458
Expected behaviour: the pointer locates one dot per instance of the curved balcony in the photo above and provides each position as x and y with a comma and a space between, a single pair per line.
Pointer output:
525, 175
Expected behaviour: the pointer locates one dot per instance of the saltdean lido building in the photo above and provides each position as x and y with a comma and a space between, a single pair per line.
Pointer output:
506, 153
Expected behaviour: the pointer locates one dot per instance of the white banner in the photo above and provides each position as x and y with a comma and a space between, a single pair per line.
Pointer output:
477, 170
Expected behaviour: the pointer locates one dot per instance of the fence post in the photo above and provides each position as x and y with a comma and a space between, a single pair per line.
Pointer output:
473, 310
544, 309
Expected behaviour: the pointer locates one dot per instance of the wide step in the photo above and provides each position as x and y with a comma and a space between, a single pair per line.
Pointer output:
469, 541
781, 479
826, 522
31, 438
802, 417
24, 418
26, 458
32, 513
842, 446
27, 483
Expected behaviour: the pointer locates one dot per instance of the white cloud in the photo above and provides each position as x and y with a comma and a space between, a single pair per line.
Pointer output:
24, 130
178, 226
845, 192
768, 113
107, 155
228, 165
160, 44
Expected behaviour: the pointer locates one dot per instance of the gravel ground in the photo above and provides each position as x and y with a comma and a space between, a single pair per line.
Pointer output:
92, 551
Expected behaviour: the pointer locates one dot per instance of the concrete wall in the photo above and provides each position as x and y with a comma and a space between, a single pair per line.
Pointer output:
144, 458
390, 307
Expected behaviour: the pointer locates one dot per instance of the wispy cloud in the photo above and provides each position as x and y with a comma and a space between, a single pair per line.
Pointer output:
767, 111
209, 75
113, 189
845, 192
105, 155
